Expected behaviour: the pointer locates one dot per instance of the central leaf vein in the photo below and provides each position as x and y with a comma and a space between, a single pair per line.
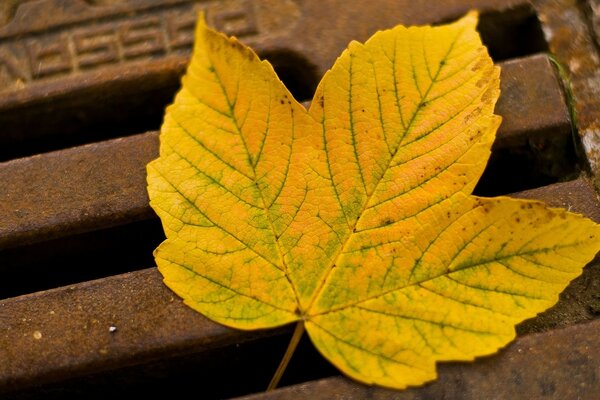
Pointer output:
408, 128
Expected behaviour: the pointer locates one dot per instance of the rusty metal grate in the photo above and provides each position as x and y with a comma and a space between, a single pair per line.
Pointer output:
83, 84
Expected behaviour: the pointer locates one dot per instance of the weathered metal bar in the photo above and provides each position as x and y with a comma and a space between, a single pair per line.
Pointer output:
560, 364
132, 319
541, 116
76, 190
75, 71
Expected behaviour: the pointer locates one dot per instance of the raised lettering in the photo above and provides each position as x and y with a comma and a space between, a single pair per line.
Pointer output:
95, 46
14, 71
49, 56
180, 29
237, 20
142, 37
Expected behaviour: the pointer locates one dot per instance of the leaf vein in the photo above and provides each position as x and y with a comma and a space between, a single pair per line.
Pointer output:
360, 348
217, 283
190, 202
215, 181
435, 323
211, 152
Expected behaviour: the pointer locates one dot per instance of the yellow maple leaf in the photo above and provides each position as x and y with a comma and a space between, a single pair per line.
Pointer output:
356, 217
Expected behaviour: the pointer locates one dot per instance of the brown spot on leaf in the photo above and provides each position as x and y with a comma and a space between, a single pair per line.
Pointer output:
479, 64
242, 49
470, 116
481, 82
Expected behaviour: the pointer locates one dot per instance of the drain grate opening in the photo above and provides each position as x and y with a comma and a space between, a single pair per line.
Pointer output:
79, 258
295, 71
537, 164
511, 33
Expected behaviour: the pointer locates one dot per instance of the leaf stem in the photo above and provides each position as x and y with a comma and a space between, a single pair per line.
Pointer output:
287, 356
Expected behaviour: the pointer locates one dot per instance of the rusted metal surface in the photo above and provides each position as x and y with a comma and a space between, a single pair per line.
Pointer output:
569, 33
542, 113
561, 364
66, 332
118, 63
